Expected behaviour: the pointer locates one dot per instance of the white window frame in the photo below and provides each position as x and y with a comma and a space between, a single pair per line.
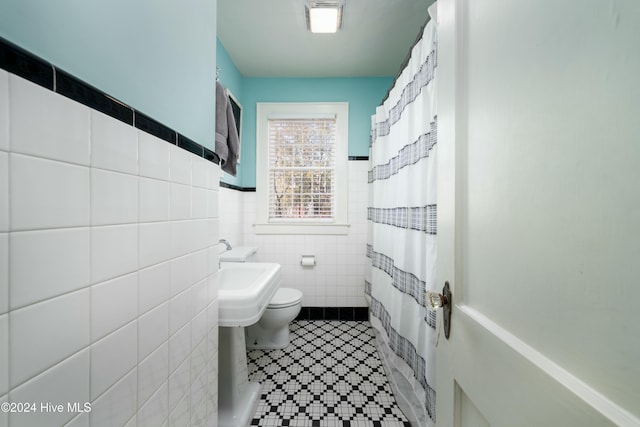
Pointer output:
265, 110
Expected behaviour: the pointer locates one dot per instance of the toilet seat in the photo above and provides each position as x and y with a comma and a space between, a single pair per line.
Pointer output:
285, 297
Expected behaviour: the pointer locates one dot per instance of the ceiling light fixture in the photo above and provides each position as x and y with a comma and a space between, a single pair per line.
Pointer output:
323, 16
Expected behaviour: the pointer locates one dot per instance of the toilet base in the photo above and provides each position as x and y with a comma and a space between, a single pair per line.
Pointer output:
259, 338
272, 330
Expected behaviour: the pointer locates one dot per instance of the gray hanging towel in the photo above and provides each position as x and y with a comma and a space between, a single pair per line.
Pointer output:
227, 142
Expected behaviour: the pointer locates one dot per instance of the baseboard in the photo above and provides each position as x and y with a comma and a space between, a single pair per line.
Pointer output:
334, 313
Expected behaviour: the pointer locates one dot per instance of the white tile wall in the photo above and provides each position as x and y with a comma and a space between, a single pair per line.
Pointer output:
153, 156
338, 278
112, 357
46, 333
213, 200
114, 145
199, 327
4, 273
180, 205
154, 200
46, 124
66, 382
200, 173
118, 404
212, 371
80, 420
152, 373
155, 243
114, 251
114, 198
47, 194
114, 303
4, 417
4, 110
199, 202
179, 347
180, 165
181, 274
180, 415
198, 370
4, 354
199, 296
232, 216
191, 236
4, 191
153, 330
180, 310
199, 416
179, 384
154, 286
62, 260
108, 288
155, 410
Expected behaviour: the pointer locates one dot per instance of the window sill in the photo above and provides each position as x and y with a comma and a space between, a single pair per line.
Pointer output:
329, 229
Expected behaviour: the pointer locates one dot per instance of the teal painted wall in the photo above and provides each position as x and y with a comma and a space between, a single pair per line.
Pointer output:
159, 56
363, 94
229, 74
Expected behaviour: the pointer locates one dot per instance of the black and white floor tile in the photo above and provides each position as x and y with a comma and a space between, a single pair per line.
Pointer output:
329, 375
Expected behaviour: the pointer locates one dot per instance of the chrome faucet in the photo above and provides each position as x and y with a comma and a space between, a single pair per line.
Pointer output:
226, 243
228, 248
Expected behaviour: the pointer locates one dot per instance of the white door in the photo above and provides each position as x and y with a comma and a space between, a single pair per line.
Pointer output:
539, 212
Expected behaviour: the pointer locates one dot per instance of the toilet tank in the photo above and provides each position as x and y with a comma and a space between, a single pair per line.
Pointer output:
239, 254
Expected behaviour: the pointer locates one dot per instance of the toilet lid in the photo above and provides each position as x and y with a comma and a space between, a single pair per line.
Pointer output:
285, 297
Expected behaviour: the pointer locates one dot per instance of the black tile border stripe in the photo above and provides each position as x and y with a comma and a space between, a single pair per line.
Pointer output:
21, 63
81, 92
358, 314
189, 145
210, 155
155, 128
18, 61
237, 187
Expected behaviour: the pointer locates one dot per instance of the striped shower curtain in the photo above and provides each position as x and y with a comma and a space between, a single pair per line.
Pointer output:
402, 228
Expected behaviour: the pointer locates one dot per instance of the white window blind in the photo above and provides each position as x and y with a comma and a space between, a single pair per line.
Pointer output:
302, 153
302, 181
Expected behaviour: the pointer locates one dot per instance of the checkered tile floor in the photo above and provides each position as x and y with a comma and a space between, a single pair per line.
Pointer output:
329, 375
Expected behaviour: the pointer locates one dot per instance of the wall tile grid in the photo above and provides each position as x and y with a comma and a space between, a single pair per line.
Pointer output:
232, 216
338, 278
108, 269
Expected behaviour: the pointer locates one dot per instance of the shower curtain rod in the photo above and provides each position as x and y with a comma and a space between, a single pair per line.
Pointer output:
406, 59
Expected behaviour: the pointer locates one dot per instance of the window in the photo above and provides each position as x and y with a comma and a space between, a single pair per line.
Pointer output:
302, 168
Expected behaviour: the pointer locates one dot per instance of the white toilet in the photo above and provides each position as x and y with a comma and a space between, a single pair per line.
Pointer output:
272, 330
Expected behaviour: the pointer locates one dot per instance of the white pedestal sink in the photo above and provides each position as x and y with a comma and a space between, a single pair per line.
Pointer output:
244, 293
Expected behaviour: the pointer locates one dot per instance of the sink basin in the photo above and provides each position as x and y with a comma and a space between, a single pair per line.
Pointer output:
245, 290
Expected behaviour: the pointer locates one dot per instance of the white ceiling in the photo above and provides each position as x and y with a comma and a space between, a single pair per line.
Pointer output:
268, 38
